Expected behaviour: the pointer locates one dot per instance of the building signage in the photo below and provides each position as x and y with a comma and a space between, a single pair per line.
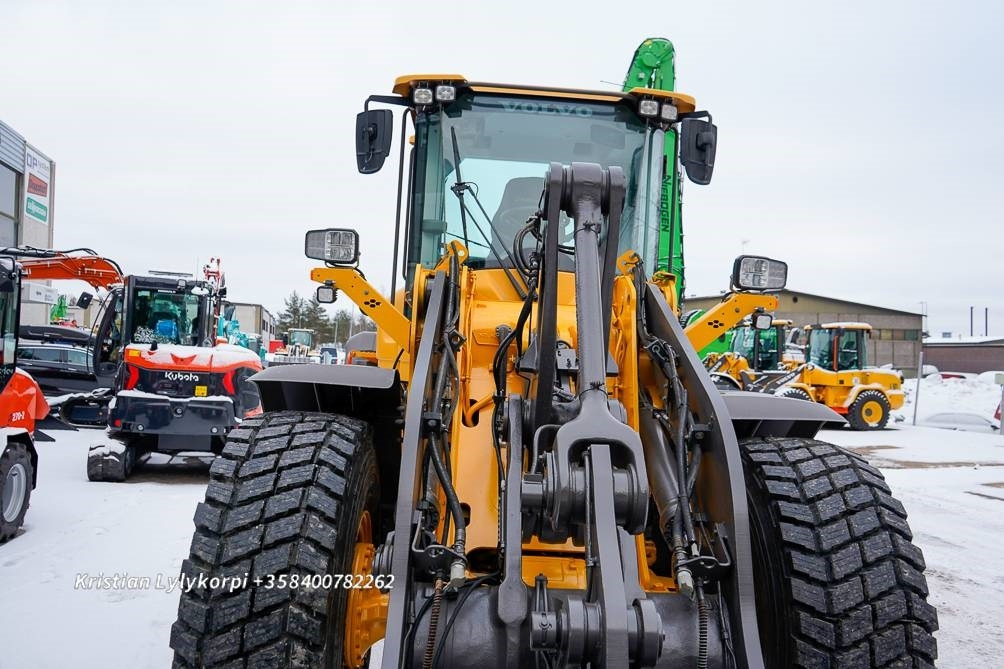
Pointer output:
38, 185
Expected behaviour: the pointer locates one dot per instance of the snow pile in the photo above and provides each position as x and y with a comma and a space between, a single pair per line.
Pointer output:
971, 394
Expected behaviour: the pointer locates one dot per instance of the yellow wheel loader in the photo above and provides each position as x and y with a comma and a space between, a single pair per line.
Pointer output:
538, 472
836, 373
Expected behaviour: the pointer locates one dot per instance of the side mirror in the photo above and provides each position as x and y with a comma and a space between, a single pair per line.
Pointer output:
84, 300
8, 274
326, 294
374, 129
698, 140
759, 273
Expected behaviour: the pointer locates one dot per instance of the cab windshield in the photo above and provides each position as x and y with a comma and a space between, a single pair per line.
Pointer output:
505, 144
301, 337
167, 317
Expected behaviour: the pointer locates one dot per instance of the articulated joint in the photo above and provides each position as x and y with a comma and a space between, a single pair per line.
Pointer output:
575, 632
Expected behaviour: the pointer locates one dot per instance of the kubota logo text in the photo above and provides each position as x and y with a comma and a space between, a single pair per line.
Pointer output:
181, 376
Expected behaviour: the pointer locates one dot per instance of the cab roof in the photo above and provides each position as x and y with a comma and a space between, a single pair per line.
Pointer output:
403, 85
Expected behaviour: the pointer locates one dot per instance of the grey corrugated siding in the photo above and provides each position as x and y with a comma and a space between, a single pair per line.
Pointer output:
11, 148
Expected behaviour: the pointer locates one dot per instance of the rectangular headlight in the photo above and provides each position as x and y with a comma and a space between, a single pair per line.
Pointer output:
338, 246
759, 273
422, 96
648, 108
446, 93
668, 112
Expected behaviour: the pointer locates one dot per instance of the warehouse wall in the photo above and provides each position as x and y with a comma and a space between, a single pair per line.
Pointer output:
896, 335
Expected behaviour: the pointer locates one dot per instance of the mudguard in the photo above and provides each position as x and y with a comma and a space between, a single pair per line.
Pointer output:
350, 389
762, 415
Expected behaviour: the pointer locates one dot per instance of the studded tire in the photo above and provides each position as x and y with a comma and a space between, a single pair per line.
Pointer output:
285, 498
838, 581
794, 393
869, 411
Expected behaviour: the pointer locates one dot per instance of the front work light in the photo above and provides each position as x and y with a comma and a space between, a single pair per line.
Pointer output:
759, 273
762, 321
422, 96
446, 93
326, 294
648, 108
668, 112
337, 246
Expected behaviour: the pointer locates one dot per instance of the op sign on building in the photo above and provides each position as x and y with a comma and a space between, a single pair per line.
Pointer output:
38, 172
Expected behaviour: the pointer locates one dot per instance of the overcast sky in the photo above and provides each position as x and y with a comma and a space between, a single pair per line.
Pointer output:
863, 142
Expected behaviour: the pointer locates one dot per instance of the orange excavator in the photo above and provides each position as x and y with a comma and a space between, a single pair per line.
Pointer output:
159, 381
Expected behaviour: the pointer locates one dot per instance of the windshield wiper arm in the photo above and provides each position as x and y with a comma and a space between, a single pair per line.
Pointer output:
458, 189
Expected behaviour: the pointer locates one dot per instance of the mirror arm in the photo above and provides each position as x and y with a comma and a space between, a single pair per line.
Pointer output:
388, 100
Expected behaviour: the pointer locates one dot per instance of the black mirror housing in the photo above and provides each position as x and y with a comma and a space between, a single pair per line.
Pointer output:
698, 143
84, 300
374, 129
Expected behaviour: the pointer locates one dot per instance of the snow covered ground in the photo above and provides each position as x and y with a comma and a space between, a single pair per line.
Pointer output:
952, 484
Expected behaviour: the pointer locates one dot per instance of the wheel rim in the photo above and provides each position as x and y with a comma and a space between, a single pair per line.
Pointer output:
872, 412
15, 486
366, 608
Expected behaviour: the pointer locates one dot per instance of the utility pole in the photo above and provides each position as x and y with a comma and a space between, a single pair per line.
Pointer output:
986, 321
970, 321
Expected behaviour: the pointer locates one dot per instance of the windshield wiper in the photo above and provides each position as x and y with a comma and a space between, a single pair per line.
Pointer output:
458, 189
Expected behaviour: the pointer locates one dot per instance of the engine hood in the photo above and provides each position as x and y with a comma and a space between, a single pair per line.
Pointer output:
194, 358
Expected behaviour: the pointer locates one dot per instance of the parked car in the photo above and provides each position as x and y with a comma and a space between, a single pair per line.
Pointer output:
966, 422
58, 368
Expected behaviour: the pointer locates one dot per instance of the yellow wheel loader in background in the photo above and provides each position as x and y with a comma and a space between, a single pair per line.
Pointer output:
538, 471
836, 373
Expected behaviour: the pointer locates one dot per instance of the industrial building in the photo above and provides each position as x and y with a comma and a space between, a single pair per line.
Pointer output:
896, 334
255, 319
27, 205
965, 354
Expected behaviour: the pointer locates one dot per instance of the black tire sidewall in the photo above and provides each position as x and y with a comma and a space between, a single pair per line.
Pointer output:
769, 574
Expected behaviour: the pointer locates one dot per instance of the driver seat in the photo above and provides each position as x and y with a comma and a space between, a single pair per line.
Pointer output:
520, 199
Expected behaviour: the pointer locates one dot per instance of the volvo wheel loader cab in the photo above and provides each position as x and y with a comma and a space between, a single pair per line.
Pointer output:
174, 390
538, 470
836, 373
21, 405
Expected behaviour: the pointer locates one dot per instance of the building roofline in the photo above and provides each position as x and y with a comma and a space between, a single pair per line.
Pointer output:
786, 291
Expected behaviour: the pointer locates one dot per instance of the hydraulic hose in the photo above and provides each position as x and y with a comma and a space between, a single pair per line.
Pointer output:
452, 501
702, 629
430, 644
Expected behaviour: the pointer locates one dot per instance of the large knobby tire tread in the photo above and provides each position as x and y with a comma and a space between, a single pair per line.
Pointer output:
113, 467
14, 453
272, 507
854, 592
